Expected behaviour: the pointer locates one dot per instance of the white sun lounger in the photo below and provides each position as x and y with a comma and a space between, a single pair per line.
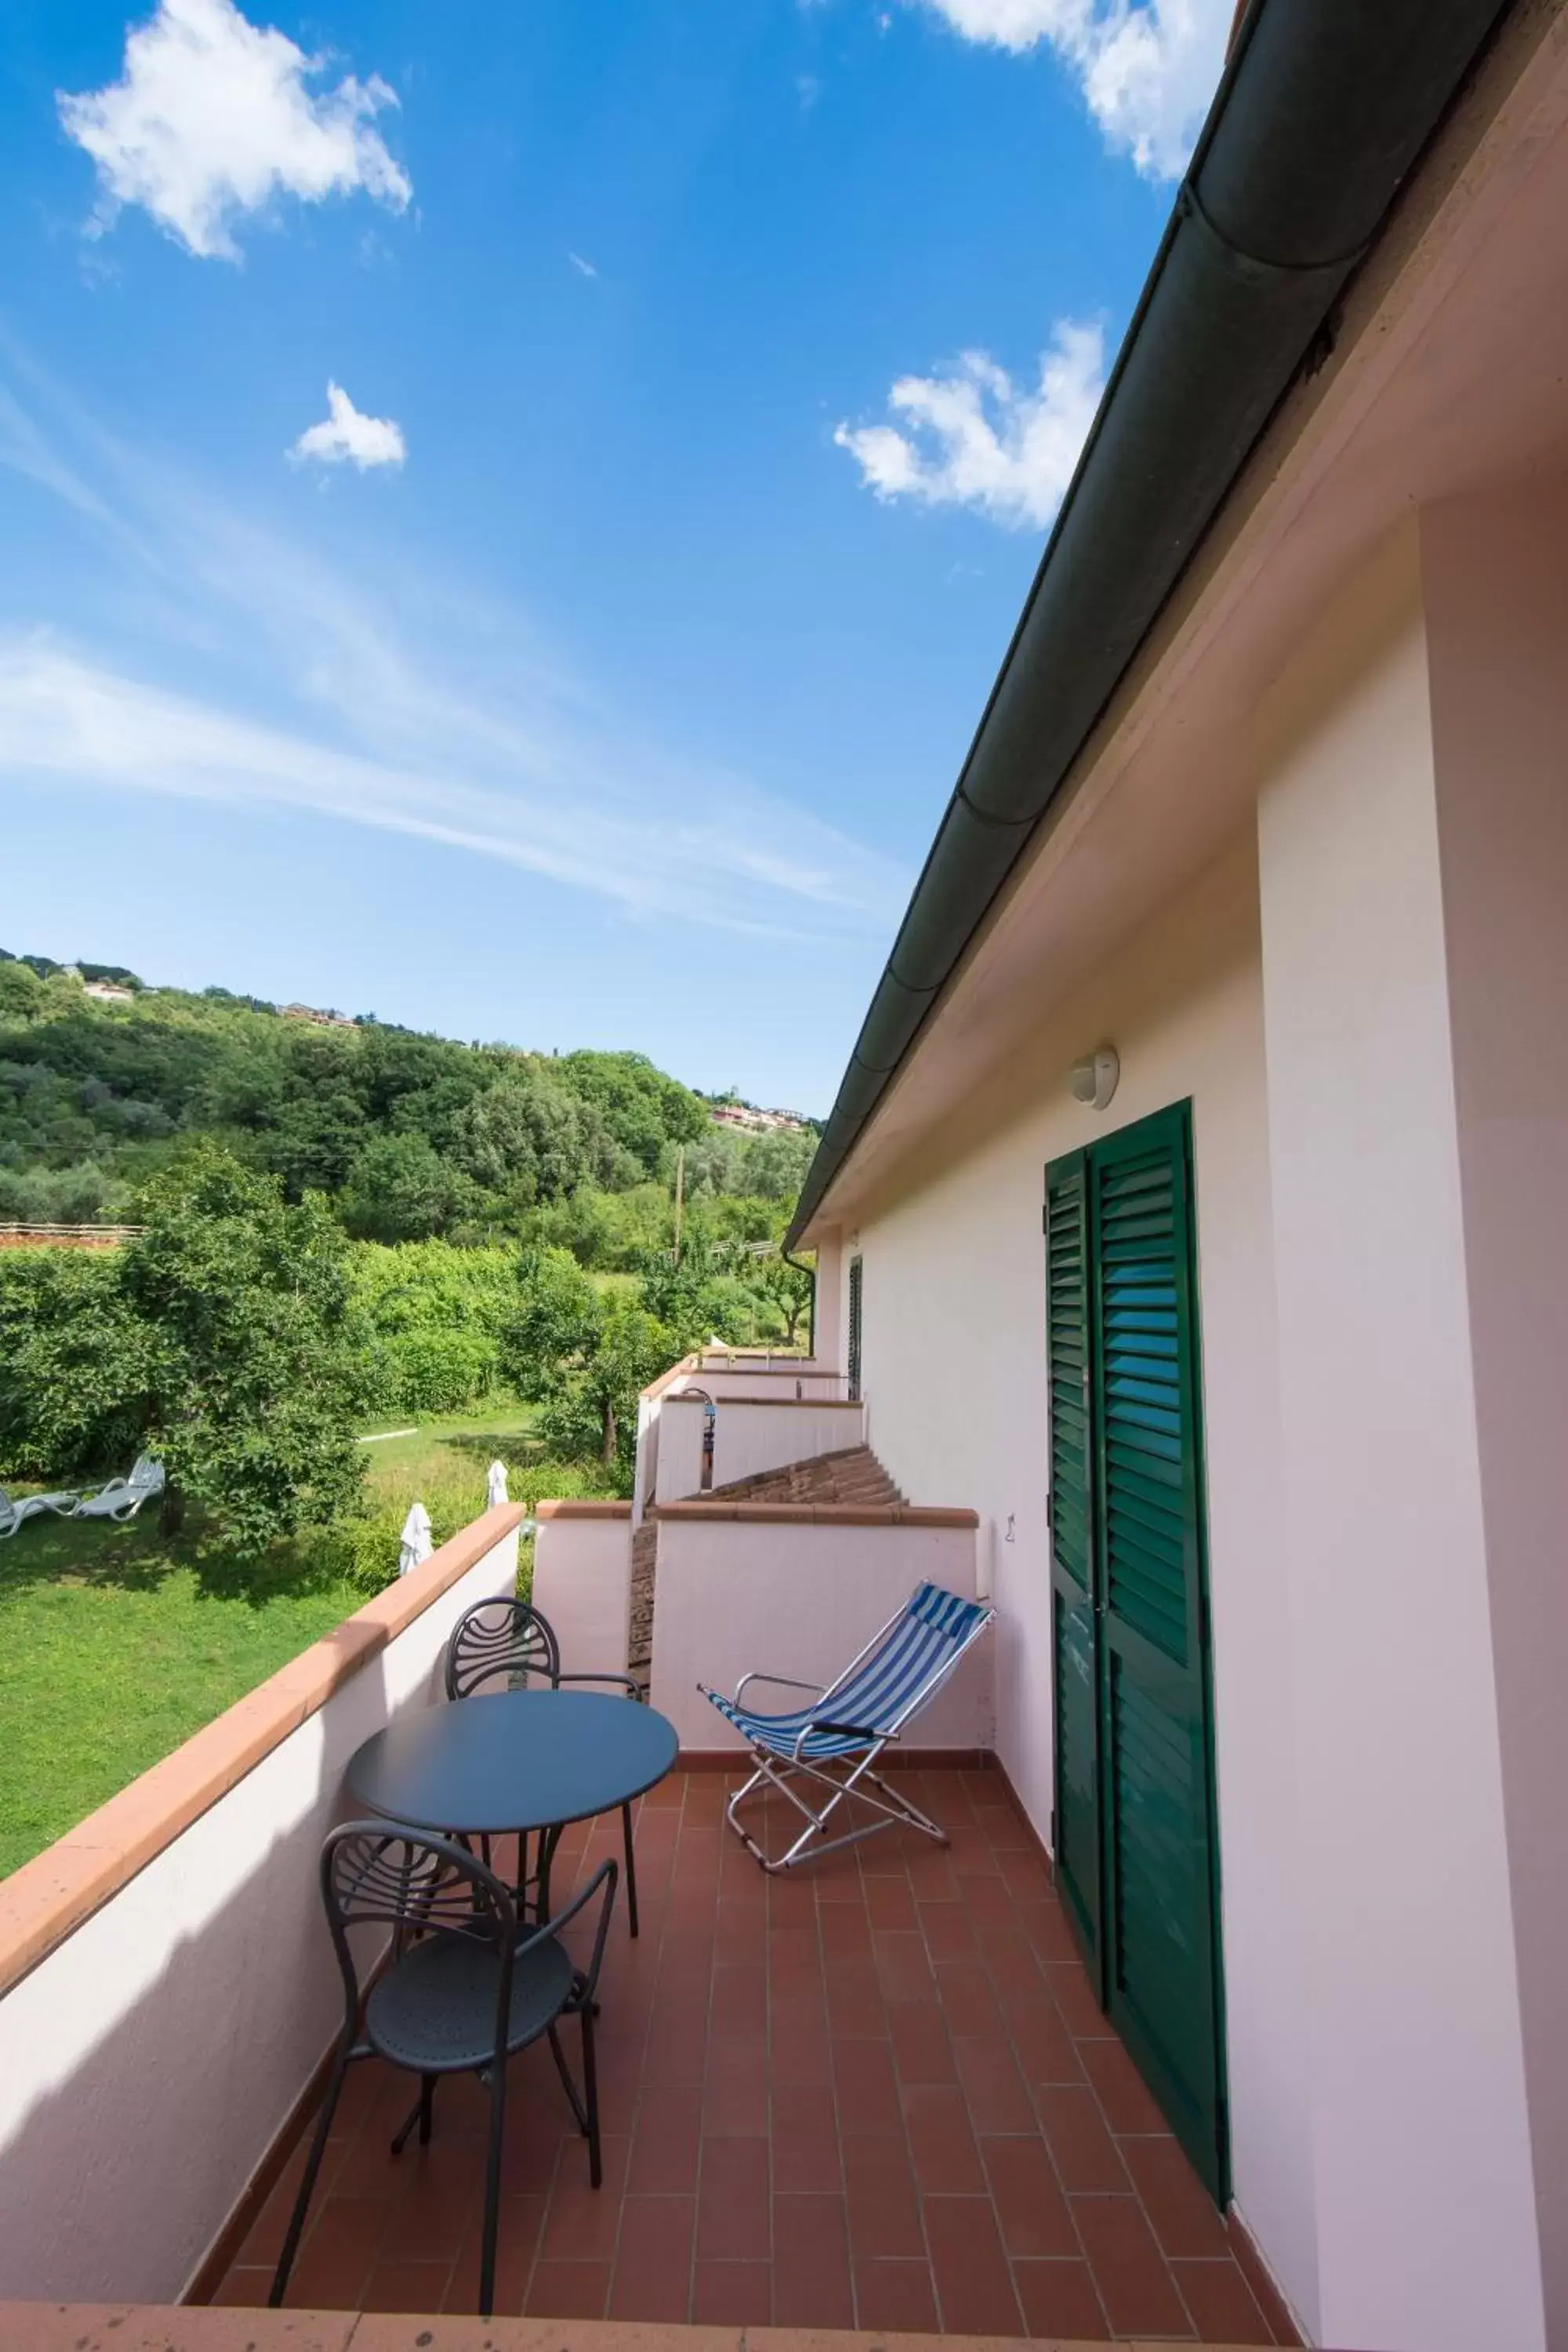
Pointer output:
14, 1509
123, 1498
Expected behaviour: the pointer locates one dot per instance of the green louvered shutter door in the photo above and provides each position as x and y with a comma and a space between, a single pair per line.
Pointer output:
1159, 1847
1076, 1714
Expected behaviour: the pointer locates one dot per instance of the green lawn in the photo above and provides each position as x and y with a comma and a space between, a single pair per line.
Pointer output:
115, 1645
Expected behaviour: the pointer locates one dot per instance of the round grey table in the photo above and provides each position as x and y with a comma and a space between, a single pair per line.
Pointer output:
513, 1761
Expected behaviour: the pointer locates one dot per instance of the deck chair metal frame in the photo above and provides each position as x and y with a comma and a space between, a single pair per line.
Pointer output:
823, 1740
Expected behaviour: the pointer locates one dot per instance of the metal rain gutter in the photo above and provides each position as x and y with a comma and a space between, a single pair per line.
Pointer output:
1323, 107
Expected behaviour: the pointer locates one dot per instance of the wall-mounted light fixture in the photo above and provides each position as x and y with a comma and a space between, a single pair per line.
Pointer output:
1093, 1080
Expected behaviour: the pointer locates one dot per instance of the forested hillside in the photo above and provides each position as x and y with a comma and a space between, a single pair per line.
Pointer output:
410, 1137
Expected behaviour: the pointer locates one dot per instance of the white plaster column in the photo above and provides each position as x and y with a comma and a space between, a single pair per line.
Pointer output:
1426, 2225
829, 1343
1495, 576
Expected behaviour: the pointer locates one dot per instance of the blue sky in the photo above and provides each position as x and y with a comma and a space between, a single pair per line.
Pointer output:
590, 666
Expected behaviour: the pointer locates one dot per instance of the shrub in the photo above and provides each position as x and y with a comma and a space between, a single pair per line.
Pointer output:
363, 1551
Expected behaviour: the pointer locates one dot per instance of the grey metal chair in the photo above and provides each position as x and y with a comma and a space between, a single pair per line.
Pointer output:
505, 1644
462, 1993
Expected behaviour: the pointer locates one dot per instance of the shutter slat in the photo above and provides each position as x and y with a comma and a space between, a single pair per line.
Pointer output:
1067, 1355
1141, 1400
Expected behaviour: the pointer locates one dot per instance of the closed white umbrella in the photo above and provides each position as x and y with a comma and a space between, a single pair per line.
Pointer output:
416, 1541
495, 1485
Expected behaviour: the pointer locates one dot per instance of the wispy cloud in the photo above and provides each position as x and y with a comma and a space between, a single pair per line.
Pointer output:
239, 666
1147, 68
584, 269
212, 118
975, 438
345, 437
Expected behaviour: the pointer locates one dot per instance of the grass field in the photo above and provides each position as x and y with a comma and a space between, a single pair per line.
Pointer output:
115, 1645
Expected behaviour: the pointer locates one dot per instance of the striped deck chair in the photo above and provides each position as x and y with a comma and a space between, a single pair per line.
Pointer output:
832, 1744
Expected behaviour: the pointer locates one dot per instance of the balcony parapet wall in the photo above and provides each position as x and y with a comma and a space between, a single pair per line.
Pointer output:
797, 1589
169, 1985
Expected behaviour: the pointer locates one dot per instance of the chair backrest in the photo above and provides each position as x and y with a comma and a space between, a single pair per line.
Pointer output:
915, 1652
377, 1873
503, 1643
146, 1474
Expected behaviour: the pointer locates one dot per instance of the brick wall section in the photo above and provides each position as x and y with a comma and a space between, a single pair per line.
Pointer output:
639, 1635
853, 1476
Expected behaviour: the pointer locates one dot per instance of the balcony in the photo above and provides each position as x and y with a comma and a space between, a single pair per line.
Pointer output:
877, 2095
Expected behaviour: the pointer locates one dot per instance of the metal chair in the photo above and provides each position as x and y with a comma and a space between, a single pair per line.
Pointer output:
461, 1994
508, 1643
833, 1743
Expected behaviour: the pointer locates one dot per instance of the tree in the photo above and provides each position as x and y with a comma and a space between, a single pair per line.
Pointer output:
401, 1190
555, 1325
581, 1356
21, 991
591, 1407
788, 1287
258, 1368
77, 1367
708, 1296
644, 1109
224, 1340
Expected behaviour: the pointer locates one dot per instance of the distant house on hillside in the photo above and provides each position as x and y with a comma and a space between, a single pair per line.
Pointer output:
313, 1013
756, 1122
108, 991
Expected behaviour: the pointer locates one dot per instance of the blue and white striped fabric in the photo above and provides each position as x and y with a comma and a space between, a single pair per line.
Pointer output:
932, 1630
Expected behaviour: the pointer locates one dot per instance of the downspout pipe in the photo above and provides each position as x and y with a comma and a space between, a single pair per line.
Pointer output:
1324, 108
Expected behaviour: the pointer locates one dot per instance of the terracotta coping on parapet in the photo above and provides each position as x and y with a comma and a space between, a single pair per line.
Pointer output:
583, 1507
48, 1898
217, 2327
656, 1388
823, 1514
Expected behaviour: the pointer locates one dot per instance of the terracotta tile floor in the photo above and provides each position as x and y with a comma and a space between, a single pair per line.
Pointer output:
879, 2095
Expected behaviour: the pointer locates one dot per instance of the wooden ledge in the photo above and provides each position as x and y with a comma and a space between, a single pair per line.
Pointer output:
583, 1507
48, 1897
822, 1514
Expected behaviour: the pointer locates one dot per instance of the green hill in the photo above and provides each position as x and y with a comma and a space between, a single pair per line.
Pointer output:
411, 1136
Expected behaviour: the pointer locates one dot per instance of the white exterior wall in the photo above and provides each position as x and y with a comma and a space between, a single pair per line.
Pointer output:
148, 2063
955, 1382
1368, 1019
1495, 577
1424, 2191
827, 1345
679, 1467
719, 1616
583, 1584
750, 1437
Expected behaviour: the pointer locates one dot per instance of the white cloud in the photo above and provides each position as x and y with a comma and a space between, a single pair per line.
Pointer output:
975, 438
219, 660
584, 269
1147, 68
344, 436
212, 118
728, 860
